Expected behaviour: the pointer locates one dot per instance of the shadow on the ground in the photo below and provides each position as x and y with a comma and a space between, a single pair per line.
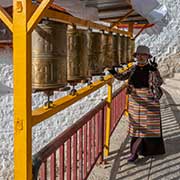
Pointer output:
157, 167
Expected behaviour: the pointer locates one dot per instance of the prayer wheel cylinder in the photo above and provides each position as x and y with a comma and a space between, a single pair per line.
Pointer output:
96, 56
115, 50
123, 49
129, 50
120, 49
77, 54
132, 48
126, 50
108, 50
49, 57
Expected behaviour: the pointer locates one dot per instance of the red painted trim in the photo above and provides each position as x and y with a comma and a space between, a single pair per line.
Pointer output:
53, 166
61, 162
43, 172
135, 26
68, 160
6, 44
75, 156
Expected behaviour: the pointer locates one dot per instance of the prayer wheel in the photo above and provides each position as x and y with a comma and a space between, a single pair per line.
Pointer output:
116, 39
129, 50
77, 54
108, 50
49, 57
120, 49
96, 56
132, 48
124, 50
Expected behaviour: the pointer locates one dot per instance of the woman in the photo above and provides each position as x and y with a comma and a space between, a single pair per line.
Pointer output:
144, 91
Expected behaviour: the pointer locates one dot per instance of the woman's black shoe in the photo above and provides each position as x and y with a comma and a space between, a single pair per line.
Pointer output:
133, 158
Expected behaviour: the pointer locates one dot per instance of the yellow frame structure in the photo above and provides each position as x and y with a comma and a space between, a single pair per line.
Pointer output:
25, 18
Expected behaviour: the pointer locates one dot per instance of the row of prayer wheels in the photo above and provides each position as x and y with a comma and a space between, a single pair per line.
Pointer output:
62, 54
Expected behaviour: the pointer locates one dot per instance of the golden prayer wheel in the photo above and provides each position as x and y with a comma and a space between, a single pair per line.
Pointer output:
77, 55
108, 50
132, 48
96, 56
49, 59
120, 49
116, 39
124, 50
129, 50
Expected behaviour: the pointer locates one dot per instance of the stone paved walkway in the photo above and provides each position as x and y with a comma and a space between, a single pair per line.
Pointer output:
164, 167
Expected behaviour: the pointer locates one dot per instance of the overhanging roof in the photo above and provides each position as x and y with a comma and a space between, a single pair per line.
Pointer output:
108, 10
113, 10
139, 12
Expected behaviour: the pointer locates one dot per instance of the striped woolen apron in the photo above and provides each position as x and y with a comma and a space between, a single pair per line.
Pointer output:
144, 114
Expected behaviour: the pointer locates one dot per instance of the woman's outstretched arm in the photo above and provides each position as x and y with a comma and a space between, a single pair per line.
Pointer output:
121, 76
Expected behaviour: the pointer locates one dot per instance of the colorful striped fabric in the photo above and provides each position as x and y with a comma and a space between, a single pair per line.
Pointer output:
144, 114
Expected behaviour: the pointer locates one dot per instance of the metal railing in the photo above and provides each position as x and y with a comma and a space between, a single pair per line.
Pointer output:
73, 154
118, 107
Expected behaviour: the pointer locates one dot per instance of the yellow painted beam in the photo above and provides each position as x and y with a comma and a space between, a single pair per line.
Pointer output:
40, 114
122, 18
6, 18
130, 29
108, 120
38, 14
129, 65
65, 18
22, 91
68, 19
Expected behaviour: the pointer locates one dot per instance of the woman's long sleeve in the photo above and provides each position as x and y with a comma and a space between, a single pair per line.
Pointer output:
159, 78
123, 76
155, 79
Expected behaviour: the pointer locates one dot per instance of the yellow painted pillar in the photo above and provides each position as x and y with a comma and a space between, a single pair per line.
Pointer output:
108, 119
22, 91
132, 41
127, 96
130, 30
126, 105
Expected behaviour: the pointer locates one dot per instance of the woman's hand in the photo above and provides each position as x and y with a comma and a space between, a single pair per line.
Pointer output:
153, 63
112, 71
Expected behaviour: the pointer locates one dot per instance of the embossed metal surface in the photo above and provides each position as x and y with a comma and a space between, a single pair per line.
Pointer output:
123, 49
132, 48
108, 50
115, 50
96, 56
77, 54
49, 59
